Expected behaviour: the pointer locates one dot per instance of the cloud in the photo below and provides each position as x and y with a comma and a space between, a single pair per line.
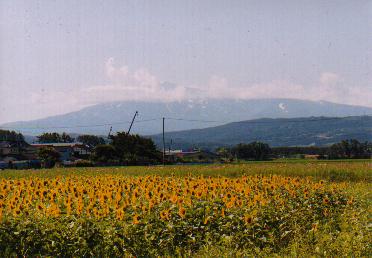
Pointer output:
124, 84
331, 87
115, 73
328, 78
140, 84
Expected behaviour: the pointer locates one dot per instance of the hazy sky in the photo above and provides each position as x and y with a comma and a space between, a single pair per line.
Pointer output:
60, 56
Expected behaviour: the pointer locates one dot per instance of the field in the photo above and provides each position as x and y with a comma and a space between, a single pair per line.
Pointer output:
253, 209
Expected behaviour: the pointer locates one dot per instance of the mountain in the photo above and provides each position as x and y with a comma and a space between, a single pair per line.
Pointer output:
97, 119
276, 132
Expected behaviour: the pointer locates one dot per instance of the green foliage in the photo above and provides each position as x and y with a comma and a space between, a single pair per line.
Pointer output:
346, 149
253, 151
225, 154
11, 136
293, 151
104, 153
83, 163
49, 156
54, 138
298, 228
127, 149
331, 170
350, 149
134, 149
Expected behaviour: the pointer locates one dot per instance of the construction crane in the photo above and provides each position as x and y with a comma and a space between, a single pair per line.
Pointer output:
131, 124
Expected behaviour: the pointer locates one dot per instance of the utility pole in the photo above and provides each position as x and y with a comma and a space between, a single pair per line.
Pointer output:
134, 117
170, 145
109, 134
163, 143
18, 137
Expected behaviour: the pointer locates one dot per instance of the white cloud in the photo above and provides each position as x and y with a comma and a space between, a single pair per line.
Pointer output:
140, 84
328, 78
115, 73
124, 84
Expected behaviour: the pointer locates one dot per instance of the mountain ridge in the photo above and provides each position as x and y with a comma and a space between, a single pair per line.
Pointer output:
120, 113
317, 131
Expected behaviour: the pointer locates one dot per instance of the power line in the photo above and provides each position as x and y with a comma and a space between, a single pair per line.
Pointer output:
79, 126
268, 121
271, 120
290, 120
148, 120
195, 120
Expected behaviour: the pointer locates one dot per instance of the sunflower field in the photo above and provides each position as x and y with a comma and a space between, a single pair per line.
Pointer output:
155, 211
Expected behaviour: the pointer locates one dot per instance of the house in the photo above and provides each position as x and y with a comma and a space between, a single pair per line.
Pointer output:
181, 153
29, 152
194, 155
8, 148
311, 156
68, 151
17, 155
12, 152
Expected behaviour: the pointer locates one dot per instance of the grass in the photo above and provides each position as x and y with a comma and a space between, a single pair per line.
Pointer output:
342, 170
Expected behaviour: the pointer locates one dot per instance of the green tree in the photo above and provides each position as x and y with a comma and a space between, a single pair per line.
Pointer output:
16, 140
66, 138
350, 149
91, 140
225, 154
54, 138
104, 153
49, 156
134, 149
49, 138
253, 151
11, 136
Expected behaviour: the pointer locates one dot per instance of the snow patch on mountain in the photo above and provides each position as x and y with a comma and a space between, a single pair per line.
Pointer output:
283, 107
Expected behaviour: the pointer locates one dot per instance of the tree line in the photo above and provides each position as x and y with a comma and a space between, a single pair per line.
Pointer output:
346, 149
122, 148
132, 149
11, 136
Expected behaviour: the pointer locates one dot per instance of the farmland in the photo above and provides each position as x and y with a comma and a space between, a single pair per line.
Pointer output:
254, 209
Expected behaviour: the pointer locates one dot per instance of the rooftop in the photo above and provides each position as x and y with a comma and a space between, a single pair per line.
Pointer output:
59, 144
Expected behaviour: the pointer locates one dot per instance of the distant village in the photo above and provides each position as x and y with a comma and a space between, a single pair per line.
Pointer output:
126, 149
24, 156
15, 153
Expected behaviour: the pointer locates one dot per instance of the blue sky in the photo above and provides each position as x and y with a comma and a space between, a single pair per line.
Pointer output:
60, 56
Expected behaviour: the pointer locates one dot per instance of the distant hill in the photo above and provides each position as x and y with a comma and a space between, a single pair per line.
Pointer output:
316, 131
222, 111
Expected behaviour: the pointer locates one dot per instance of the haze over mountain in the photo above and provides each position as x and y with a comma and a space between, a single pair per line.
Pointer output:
98, 118
317, 131
63, 56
